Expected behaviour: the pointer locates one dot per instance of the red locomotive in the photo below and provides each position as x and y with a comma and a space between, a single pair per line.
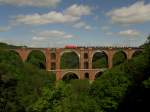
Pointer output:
71, 46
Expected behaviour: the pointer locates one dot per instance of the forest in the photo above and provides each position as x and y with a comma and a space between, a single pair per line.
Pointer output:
28, 87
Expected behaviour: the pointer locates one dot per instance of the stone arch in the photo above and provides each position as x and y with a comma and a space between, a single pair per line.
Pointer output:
70, 50
70, 76
69, 63
41, 58
104, 55
98, 74
120, 56
136, 53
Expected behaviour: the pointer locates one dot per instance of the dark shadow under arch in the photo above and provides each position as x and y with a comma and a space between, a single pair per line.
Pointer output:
86, 75
70, 76
99, 60
137, 53
97, 75
37, 58
119, 57
69, 60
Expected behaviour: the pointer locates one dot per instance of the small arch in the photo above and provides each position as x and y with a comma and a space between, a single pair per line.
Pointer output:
98, 74
69, 60
67, 77
86, 75
99, 60
136, 53
119, 57
37, 58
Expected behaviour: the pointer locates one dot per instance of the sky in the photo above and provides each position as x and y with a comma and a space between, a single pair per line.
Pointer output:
56, 23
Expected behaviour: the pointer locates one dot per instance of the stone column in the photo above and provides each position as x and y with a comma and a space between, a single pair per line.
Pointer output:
58, 72
48, 59
130, 52
90, 57
90, 51
110, 58
81, 63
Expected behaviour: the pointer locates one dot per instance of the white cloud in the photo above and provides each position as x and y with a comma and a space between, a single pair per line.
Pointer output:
54, 17
48, 34
4, 29
36, 3
78, 10
51, 17
136, 13
82, 25
109, 33
129, 33
105, 28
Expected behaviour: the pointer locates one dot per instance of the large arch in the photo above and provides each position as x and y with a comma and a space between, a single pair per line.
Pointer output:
119, 57
69, 59
16, 54
69, 76
10, 56
37, 58
99, 59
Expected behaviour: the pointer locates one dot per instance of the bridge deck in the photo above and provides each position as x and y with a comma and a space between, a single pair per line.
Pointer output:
101, 69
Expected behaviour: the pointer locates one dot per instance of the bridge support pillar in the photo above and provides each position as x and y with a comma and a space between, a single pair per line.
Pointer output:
81, 73
90, 58
91, 75
58, 75
23, 53
110, 58
81, 58
48, 59
129, 53
58, 72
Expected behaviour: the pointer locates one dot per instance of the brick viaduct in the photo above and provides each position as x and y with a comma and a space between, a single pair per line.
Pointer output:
85, 54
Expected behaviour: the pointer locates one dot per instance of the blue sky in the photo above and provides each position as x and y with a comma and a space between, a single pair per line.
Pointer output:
56, 23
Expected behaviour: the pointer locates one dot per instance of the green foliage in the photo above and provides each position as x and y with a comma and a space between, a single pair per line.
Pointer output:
10, 57
109, 89
69, 60
147, 83
77, 98
119, 58
99, 60
69, 76
37, 59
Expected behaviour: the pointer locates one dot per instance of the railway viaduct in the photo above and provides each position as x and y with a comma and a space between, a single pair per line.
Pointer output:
85, 54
